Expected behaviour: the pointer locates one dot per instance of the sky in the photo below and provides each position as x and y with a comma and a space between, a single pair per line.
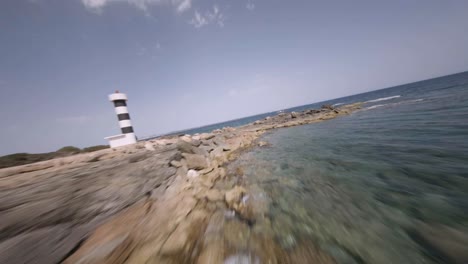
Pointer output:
188, 63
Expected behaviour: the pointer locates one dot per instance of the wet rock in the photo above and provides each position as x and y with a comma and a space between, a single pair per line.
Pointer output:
234, 196
254, 206
283, 226
195, 161
236, 234
263, 227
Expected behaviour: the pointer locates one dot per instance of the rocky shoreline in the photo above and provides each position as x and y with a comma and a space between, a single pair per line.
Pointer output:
166, 200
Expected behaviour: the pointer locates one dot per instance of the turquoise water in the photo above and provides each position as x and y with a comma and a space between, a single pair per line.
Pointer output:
375, 186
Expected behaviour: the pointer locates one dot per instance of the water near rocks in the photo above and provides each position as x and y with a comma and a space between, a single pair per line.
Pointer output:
387, 184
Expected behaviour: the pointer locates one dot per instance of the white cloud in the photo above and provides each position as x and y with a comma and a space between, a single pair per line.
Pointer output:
198, 20
250, 6
183, 5
97, 5
212, 16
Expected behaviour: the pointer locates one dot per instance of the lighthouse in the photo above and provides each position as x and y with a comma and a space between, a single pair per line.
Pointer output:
128, 135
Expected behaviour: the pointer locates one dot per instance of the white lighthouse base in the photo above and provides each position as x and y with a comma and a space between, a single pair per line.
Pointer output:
121, 140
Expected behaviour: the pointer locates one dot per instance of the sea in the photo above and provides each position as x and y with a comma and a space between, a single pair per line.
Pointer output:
386, 184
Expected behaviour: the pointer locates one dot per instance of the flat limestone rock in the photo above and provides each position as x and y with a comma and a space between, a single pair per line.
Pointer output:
46, 245
135, 204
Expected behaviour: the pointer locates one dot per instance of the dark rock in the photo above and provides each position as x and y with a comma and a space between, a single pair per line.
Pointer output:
312, 111
327, 106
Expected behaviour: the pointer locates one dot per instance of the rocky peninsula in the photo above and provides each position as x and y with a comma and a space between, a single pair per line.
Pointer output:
166, 200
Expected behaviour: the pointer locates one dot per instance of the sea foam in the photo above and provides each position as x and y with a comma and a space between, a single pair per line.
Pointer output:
383, 99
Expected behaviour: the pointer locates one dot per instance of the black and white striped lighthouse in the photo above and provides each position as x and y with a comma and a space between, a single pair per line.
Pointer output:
128, 135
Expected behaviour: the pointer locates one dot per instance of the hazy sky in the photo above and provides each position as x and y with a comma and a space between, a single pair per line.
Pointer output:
186, 63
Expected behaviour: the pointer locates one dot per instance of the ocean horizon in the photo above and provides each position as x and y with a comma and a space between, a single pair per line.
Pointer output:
365, 97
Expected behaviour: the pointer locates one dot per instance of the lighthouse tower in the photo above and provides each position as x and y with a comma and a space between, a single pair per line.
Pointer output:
128, 135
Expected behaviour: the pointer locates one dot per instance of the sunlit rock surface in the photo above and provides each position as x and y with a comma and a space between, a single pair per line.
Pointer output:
167, 200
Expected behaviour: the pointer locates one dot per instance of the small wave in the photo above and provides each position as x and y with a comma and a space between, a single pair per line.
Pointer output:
393, 104
337, 104
376, 106
383, 99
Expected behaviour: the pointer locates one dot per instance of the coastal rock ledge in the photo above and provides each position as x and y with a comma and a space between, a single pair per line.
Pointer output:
158, 201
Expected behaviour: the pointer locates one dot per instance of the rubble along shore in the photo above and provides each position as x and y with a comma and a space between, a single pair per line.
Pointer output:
153, 202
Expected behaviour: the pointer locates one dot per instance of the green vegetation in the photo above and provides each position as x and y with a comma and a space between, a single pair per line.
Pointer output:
27, 158
94, 148
69, 150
